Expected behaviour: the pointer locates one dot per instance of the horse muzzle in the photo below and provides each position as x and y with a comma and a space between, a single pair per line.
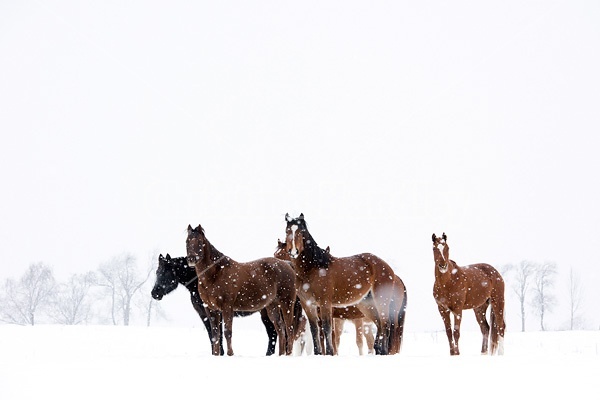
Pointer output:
156, 295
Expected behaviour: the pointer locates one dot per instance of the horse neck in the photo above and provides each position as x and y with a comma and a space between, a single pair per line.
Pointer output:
213, 259
312, 256
186, 275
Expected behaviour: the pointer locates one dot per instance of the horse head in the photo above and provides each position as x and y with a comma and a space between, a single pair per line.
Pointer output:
441, 252
195, 245
166, 278
294, 235
281, 252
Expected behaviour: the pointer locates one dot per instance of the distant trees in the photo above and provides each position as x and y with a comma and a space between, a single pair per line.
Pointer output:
73, 300
119, 291
543, 299
24, 298
522, 277
114, 290
121, 281
575, 298
534, 285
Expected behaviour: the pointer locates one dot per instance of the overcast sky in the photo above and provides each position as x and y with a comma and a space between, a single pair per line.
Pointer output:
383, 122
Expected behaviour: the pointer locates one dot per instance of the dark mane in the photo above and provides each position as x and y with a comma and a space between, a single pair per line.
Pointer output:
312, 255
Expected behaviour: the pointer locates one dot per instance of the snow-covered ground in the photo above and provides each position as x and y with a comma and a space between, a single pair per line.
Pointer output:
102, 362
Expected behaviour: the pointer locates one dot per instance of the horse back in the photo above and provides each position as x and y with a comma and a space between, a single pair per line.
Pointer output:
285, 276
490, 273
382, 271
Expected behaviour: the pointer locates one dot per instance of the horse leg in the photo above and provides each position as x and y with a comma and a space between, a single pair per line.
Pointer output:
271, 331
358, 329
291, 312
445, 314
313, 320
338, 326
369, 310
369, 336
276, 317
199, 307
457, 321
215, 318
483, 325
327, 320
228, 322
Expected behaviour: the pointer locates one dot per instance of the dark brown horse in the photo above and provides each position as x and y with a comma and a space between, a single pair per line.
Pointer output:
476, 287
174, 271
324, 282
226, 286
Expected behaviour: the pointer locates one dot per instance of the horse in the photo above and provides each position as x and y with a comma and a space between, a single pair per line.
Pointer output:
362, 280
225, 286
363, 328
476, 287
172, 272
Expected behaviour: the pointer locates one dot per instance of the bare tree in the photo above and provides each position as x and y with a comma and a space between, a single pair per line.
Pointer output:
543, 300
27, 296
122, 281
73, 302
523, 273
575, 300
150, 307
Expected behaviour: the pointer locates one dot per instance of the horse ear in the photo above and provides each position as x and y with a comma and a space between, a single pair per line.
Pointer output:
434, 238
444, 236
301, 216
190, 229
168, 256
287, 217
160, 257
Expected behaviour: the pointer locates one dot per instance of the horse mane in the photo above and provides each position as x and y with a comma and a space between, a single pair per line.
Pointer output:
214, 255
312, 255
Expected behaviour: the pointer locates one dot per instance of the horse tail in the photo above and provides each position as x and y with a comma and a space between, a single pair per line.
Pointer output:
401, 318
497, 332
494, 332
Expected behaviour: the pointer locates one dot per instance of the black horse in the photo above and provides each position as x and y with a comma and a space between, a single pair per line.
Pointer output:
174, 271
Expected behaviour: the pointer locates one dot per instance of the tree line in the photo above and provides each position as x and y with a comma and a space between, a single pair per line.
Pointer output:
112, 294
534, 285
118, 289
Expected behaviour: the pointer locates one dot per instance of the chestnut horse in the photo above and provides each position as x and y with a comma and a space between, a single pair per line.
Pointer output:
476, 287
324, 281
226, 286
363, 328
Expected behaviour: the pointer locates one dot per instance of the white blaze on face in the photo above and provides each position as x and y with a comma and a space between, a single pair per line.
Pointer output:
294, 251
440, 247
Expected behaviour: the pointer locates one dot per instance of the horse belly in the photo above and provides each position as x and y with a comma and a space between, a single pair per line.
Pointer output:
253, 297
349, 291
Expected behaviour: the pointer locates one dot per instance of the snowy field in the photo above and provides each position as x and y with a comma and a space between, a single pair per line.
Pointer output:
101, 362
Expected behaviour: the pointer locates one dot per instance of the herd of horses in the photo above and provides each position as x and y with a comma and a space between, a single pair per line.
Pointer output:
302, 282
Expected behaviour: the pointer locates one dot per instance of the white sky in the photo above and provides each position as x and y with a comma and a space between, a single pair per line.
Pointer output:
383, 122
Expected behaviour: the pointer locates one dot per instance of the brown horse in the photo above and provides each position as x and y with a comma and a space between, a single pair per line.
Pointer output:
363, 327
476, 287
362, 280
226, 286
